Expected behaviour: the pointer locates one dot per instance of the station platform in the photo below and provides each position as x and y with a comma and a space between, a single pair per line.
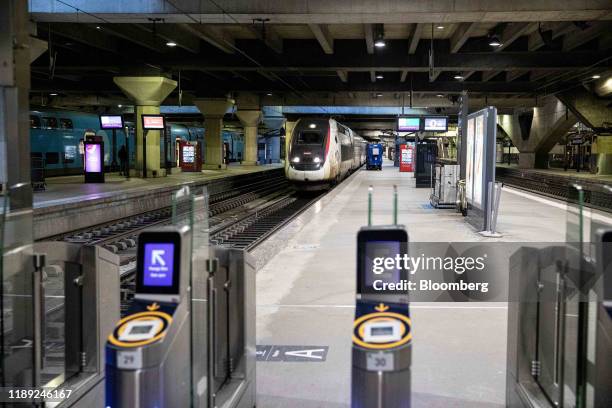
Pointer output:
306, 297
69, 203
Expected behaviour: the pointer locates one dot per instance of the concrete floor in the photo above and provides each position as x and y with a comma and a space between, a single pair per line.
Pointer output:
306, 289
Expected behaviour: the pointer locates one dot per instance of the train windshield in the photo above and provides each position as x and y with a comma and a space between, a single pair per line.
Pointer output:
309, 138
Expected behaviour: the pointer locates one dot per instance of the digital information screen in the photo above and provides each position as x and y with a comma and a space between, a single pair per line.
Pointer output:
380, 249
93, 158
111, 121
435, 124
152, 122
405, 124
158, 269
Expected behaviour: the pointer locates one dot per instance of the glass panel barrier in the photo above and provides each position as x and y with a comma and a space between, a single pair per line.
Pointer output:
19, 345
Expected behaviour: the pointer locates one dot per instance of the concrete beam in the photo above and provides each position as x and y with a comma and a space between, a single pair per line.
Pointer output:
268, 35
211, 36
322, 12
579, 37
513, 31
558, 29
372, 76
86, 34
403, 76
461, 35
415, 37
488, 75
343, 75
369, 37
512, 75
323, 36
135, 35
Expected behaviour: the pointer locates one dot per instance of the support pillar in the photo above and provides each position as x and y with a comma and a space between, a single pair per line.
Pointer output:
147, 93
250, 120
213, 110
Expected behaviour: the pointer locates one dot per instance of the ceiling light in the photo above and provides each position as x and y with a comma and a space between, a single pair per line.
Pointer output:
458, 76
120, 106
440, 95
494, 41
379, 76
596, 76
379, 95
171, 44
312, 125
269, 94
380, 43
98, 28
440, 27
53, 94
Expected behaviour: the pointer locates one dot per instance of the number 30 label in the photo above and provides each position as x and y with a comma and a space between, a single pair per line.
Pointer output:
380, 361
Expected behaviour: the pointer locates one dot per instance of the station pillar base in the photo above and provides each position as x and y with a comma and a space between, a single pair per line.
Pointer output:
250, 120
213, 110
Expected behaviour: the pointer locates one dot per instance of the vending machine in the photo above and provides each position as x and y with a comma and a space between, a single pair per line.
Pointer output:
406, 157
190, 159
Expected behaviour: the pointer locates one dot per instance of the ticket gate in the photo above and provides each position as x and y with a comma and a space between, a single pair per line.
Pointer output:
186, 341
382, 330
147, 354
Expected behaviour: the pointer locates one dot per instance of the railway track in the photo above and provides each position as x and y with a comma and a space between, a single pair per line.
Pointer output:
596, 194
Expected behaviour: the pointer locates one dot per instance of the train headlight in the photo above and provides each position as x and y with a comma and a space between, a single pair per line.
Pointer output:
296, 159
317, 160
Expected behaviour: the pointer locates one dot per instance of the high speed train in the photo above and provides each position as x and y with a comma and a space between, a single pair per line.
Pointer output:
323, 152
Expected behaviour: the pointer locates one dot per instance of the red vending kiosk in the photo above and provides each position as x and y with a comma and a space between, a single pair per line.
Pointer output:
406, 157
190, 158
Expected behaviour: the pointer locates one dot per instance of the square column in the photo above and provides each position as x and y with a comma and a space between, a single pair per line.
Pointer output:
213, 110
147, 93
250, 120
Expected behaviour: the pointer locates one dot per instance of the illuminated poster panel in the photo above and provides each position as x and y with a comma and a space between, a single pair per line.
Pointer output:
93, 158
478, 161
469, 162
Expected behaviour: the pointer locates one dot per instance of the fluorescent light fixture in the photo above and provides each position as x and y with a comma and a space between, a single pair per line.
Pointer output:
380, 43
596, 76
53, 94
494, 41
440, 27
171, 44
120, 106
269, 94
458, 76
379, 94
379, 76
98, 28
440, 95
312, 125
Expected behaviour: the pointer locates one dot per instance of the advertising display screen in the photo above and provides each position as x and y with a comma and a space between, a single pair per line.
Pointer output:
478, 161
435, 124
158, 264
469, 162
111, 121
153, 122
408, 124
93, 158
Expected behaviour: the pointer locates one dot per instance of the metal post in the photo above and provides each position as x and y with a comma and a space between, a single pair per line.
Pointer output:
114, 160
496, 198
127, 153
394, 204
370, 189
144, 153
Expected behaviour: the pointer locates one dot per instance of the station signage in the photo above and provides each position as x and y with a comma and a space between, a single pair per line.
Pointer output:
153, 122
158, 264
408, 123
111, 122
435, 123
